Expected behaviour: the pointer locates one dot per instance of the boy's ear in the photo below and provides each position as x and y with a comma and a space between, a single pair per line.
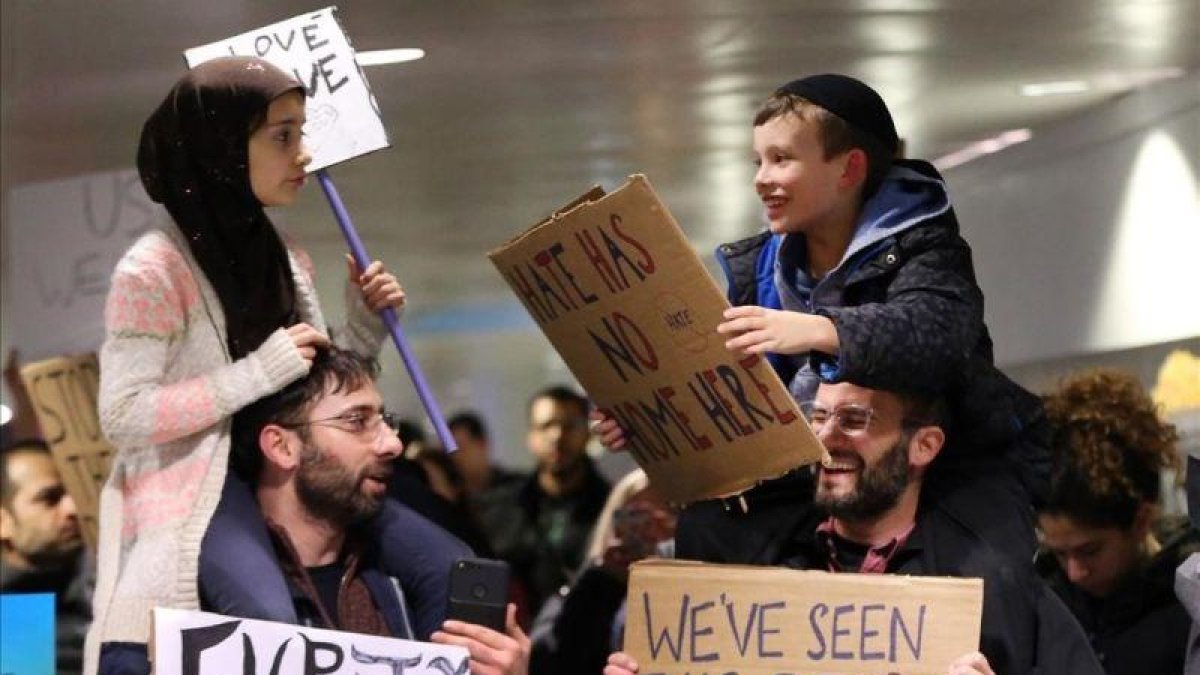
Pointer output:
854, 173
279, 446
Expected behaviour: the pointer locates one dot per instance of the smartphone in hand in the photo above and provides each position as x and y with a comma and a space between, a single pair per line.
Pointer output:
479, 592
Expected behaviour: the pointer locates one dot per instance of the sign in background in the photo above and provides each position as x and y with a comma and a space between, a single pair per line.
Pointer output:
686, 617
66, 237
63, 392
199, 643
343, 117
625, 301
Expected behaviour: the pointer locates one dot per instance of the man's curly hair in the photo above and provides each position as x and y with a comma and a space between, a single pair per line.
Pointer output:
1110, 446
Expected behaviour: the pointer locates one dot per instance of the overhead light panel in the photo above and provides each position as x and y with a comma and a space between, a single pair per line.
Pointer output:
984, 147
381, 57
1054, 88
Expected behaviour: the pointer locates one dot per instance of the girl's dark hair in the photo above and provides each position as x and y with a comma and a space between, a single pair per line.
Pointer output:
333, 369
1110, 447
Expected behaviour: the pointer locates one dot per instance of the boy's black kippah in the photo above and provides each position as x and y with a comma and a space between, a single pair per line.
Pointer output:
861, 106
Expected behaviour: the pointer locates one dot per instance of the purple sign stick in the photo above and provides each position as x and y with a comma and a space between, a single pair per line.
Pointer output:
389, 315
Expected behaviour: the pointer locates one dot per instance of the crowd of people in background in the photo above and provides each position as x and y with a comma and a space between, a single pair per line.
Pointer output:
259, 473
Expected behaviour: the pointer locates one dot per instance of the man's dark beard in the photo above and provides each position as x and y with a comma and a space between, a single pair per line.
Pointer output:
878, 488
329, 491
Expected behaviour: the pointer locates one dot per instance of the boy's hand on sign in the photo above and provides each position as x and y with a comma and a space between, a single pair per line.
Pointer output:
380, 289
971, 664
611, 435
754, 330
620, 663
307, 339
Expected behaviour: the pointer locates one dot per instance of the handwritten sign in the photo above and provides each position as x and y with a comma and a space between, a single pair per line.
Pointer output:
685, 617
66, 237
63, 392
199, 643
614, 285
343, 117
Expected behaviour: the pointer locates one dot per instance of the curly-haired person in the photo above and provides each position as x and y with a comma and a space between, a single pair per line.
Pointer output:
1106, 550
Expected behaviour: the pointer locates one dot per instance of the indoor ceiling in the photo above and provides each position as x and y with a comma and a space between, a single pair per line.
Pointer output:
520, 105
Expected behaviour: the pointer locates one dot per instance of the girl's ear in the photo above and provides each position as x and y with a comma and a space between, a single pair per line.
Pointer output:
280, 447
925, 445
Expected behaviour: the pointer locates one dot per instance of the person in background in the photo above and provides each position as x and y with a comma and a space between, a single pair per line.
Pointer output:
41, 545
474, 455
577, 630
1106, 550
543, 537
1187, 577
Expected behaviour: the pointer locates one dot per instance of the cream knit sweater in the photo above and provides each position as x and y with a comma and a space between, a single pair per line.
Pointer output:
167, 392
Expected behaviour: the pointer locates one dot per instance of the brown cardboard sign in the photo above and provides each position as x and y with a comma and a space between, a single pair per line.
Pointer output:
688, 617
613, 283
64, 392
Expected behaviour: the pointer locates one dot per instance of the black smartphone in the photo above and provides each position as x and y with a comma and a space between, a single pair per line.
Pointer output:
479, 592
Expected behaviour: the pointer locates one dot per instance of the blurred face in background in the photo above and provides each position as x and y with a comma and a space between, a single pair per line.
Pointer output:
1096, 559
39, 525
558, 436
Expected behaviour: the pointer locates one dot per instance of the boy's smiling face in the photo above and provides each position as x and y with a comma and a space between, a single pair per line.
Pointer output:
801, 189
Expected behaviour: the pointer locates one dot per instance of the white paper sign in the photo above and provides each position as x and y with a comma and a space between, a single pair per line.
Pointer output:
63, 239
199, 643
343, 118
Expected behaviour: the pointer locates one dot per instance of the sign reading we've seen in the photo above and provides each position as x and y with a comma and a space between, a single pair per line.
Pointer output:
615, 286
687, 617
343, 117
200, 643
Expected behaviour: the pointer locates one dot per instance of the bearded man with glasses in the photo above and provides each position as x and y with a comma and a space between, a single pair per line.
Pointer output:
318, 458
877, 509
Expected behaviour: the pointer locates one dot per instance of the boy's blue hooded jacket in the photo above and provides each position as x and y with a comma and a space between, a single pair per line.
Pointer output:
908, 312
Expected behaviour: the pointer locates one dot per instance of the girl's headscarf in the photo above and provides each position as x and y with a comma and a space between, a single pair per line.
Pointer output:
194, 159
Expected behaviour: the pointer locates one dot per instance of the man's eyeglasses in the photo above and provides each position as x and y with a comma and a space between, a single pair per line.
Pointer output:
849, 419
365, 423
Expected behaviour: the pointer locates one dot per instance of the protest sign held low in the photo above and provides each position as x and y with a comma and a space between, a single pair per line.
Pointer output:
613, 283
63, 392
343, 117
687, 617
200, 643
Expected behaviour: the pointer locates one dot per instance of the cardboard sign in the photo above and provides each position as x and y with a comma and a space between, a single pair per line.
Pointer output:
686, 617
199, 643
64, 392
617, 289
66, 237
343, 118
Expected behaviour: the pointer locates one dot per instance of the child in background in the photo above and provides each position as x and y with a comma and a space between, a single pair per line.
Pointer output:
863, 276
203, 318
